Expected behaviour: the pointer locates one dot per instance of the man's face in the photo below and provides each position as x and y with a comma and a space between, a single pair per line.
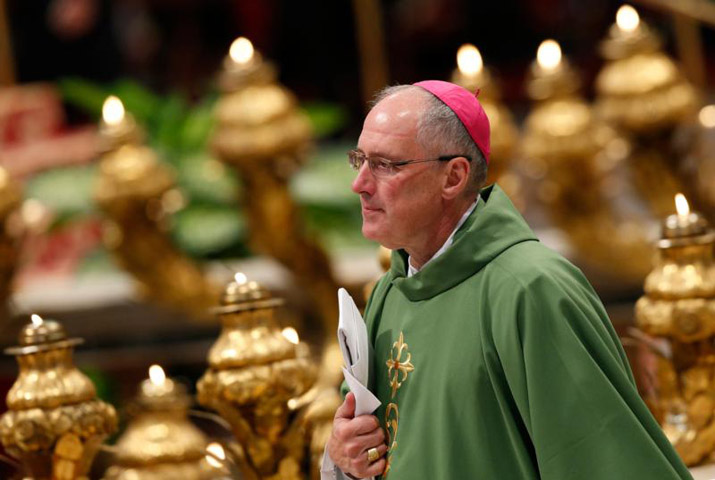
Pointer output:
397, 210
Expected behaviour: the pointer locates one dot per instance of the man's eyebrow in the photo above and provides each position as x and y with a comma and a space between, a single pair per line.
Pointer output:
374, 154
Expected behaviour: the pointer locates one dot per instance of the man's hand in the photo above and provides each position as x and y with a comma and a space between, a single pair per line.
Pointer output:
352, 437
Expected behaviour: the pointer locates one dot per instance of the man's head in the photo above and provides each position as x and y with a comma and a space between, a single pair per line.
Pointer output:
412, 201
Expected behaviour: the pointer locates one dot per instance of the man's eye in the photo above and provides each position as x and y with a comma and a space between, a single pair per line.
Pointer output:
383, 166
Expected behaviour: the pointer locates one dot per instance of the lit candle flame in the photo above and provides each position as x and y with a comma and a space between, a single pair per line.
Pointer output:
241, 50
157, 375
469, 60
36, 319
549, 54
707, 116
112, 111
240, 278
291, 335
681, 205
215, 455
627, 18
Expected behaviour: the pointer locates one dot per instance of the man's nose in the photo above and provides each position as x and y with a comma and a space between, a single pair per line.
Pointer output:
364, 181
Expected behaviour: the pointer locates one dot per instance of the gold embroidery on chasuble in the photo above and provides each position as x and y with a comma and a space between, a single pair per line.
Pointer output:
399, 366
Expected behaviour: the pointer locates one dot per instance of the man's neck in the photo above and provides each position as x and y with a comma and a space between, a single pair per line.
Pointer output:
421, 254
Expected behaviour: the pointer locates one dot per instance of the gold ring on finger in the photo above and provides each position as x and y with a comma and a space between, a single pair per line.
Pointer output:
372, 455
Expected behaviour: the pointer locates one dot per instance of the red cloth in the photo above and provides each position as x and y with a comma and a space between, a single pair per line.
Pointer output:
466, 106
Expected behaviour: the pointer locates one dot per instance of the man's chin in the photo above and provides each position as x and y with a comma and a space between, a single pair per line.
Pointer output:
376, 235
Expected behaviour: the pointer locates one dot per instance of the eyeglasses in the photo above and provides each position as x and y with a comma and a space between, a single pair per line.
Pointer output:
382, 167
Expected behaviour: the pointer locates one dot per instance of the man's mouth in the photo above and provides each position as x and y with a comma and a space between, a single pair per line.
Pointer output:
365, 208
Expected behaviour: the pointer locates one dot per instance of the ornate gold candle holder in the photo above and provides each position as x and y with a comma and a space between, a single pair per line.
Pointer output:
679, 307
256, 377
475, 77
161, 443
260, 131
54, 424
641, 91
640, 88
577, 158
136, 192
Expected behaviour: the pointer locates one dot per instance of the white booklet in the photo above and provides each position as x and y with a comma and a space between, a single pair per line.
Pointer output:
352, 337
354, 344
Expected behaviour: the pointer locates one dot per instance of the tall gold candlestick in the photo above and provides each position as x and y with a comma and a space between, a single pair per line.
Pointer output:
54, 424
261, 132
641, 91
137, 193
576, 159
679, 307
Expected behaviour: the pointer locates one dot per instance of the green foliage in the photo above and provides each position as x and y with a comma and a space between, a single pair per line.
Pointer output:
211, 225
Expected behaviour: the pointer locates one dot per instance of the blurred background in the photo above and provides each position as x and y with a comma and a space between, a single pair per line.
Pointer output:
126, 219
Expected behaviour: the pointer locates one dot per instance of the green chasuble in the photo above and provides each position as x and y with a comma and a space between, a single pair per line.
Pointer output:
497, 361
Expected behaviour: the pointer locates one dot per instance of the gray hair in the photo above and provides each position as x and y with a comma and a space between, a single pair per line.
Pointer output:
440, 130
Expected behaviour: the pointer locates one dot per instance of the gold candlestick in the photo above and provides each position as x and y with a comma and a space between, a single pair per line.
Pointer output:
701, 167
161, 442
55, 423
10, 234
475, 77
679, 307
261, 132
577, 158
641, 91
137, 193
256, 373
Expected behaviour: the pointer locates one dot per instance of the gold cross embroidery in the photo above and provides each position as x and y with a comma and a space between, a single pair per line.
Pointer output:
396, 365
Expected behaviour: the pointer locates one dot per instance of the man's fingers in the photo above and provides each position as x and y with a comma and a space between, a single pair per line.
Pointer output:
362, 425
373, 439
375, 468
347, 409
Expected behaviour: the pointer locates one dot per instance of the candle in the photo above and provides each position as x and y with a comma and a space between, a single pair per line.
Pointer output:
241, 51
627, 19
157, 386
117, 127
548, 56
469, 60
684, 223
113, 111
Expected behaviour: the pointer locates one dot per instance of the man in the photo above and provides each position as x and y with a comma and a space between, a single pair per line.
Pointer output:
493, 357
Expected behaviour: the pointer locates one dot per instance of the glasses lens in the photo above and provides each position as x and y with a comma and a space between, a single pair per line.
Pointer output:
356, 159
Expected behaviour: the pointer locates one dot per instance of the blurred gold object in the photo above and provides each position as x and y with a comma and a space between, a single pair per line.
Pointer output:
257, 380
54, 424
641, 91
136, 192
475, 77
700, 170
260, 131
161, 443
11, 226
679, 307
577, 158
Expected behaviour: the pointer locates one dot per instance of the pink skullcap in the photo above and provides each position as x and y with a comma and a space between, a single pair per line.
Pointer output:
467, 108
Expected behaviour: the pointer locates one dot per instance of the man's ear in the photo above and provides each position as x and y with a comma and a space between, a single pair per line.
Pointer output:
457, 178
